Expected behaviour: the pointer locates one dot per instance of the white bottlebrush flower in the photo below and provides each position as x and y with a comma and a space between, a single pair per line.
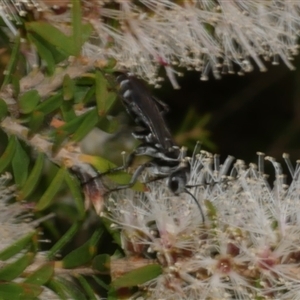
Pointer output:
13, 222
207, 36
248, 246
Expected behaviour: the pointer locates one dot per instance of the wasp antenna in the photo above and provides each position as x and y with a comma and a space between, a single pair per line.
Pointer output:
196, 201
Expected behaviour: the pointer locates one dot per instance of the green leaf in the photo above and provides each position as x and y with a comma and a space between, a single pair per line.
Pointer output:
64, 239
103, 165
101, 263
28, 101
89, 95
14, 57
53, 36
17, 246
59, 137
19, 291
77, 26
211, 210
87, 288
110, 66
100, 163
76, 192
108, 125
101, 282
13, 270
51, 104
104, 99
51, 191
84, 253
8, 154
42, 275
68, 88
44, 52
66, 288
20, 163
109, 102
89, 122
72, 126
81, 32
35, 122
3, 109
58, 288
68, 113
115, 234
138, 276
87, 30
33, 178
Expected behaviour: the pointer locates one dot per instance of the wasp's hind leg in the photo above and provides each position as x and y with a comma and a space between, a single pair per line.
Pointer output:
133, 180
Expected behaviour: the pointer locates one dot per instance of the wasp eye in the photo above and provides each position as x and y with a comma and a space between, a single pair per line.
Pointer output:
173, 184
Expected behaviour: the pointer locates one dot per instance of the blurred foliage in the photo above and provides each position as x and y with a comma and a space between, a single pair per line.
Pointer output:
46, 111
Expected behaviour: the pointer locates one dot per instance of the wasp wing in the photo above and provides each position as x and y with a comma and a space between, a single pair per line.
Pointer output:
145, 109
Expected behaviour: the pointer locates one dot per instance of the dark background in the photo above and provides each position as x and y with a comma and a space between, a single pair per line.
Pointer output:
255, 112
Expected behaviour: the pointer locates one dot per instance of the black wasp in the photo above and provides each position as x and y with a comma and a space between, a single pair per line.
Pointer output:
167, 160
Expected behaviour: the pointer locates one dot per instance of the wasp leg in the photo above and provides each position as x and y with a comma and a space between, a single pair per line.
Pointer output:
133, 180
128, 162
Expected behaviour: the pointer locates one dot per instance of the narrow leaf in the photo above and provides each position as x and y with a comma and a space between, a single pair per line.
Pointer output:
51, 104
68, 88
19, 291
3, 109
16, 247
14, 57
84, 253
11, 271
8, 154
33, 178
58, 288
76, 192
87, 288
104, 99
42, 275
71, 124
89, 122
108, 125
20, 163
68, 113
44, 52
77, 26
138, 276
35, 122
52, 190
64, 240
58, 139
114, 233
89, 95
28, 101
53, 36
71, 290
101, 282
101, 263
